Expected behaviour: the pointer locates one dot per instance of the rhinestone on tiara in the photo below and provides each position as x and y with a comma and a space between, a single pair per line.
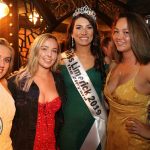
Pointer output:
85, 10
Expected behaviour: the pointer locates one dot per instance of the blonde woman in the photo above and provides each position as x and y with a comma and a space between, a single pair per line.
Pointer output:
7, 106
38, 93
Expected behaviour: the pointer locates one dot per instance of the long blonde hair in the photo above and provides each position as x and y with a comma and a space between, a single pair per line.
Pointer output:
27, 73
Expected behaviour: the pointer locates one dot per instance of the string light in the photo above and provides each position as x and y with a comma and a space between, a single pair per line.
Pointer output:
4, 9
10, 5
10, 34
10, 24
10, 14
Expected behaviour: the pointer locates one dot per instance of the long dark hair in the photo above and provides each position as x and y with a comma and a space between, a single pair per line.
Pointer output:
95, 45
139, 36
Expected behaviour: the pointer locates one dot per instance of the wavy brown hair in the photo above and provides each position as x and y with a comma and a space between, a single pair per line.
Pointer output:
139, 35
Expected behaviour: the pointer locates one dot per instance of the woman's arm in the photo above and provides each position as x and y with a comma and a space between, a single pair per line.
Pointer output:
134, 126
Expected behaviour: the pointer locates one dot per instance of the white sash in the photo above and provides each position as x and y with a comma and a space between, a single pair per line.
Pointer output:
86, 89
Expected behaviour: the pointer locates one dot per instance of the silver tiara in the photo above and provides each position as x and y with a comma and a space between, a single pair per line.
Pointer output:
85, 10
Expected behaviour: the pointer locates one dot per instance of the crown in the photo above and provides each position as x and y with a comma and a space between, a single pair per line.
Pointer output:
85, 10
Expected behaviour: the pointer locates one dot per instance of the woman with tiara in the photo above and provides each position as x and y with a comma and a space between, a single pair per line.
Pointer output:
84, 73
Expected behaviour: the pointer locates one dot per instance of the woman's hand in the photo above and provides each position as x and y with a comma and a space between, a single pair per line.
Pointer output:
134, 126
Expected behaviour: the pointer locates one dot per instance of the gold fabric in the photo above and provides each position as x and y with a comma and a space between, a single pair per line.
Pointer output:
7, 112
125, 102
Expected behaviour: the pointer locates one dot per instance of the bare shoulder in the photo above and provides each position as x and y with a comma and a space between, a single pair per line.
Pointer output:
113, 64
142, 81
4, 82
145, 70
61, 61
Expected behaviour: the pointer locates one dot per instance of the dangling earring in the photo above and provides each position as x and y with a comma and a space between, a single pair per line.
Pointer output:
72, 43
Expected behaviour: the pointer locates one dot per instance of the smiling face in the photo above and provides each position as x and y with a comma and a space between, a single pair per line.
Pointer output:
121, 35
5, 59
82, 32
48, 53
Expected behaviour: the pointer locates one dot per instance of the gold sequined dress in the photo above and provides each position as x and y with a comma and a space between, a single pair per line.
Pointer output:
125, 102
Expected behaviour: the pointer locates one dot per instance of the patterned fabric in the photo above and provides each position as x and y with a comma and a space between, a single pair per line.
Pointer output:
125, 102
7, 111
45, 137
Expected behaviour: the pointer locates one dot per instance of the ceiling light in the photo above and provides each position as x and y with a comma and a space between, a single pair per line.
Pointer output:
33, 17
4, 9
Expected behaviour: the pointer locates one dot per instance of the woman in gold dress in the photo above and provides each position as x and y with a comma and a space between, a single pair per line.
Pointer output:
128, 86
